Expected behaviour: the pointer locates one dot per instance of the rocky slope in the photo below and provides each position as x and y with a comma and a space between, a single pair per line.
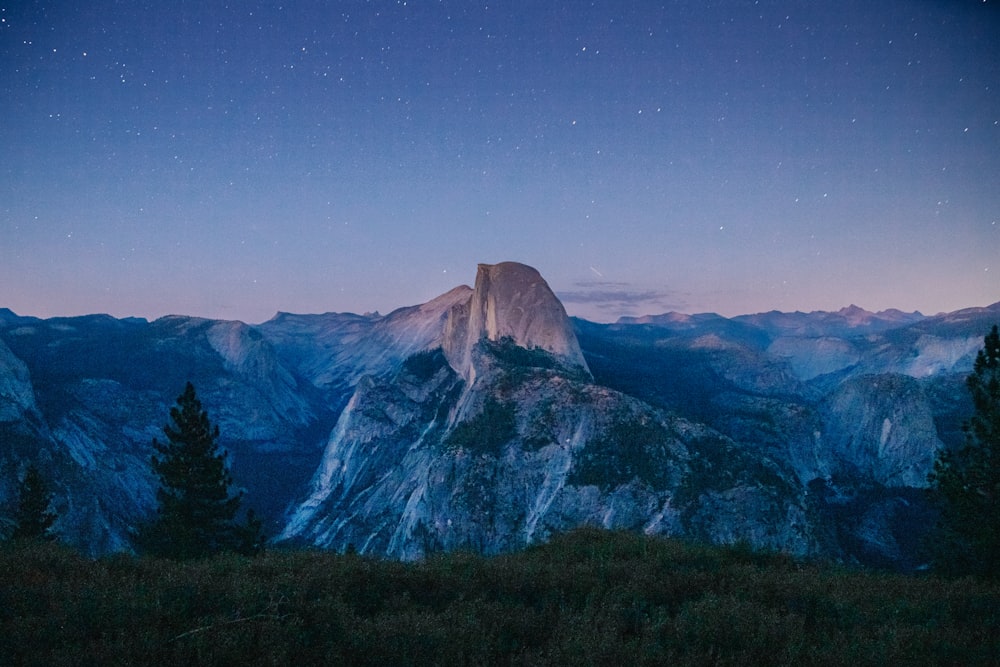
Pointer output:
501, 438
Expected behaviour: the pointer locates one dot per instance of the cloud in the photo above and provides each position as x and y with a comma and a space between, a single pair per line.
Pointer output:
607, 300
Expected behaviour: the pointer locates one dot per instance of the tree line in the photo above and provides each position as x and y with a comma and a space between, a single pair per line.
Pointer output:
965, 483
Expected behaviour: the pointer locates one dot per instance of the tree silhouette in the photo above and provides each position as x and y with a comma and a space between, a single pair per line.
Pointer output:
197, 508
967, 481
34, 518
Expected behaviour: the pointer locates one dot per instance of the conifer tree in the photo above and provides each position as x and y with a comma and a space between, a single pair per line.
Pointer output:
967, 481
34, 518
197, 508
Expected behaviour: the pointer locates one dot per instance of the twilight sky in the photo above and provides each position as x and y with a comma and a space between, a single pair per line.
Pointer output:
231, 160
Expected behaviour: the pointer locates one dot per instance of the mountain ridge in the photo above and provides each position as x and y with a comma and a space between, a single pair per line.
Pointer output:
811, 433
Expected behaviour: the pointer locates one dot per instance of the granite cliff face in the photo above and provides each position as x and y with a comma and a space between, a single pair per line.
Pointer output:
422, 461
17, 398
881, 426
500, 437
510, 302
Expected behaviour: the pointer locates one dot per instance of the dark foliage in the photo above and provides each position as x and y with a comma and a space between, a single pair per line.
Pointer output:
967, 481
631, 448
589, 597
646, 365
424, 365
130, 352
487, 432
521, 363
34, 517
197, 511
510, 354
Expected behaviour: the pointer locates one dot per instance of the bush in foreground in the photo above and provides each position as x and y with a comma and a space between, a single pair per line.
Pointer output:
589, 597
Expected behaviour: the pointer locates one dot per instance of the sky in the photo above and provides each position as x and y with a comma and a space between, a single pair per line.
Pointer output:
235, 159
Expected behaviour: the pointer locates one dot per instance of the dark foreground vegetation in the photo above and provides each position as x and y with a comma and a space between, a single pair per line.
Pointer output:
590, 597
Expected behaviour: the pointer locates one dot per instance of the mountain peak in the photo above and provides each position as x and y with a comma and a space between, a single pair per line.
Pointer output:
510, 301
855, 315
853, 309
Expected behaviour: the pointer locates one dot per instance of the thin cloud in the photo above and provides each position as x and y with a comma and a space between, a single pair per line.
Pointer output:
608, 300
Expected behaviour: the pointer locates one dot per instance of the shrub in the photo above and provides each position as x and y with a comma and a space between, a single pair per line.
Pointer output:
487, 432
589, 596
629, 449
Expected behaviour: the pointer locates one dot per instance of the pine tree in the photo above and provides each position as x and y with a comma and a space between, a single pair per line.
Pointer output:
34, 518
197, 508
967, 482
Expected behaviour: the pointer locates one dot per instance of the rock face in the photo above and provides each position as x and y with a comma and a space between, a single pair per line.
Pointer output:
17, 397
422, 462
880, 426
486, 419
510, 302
500, 437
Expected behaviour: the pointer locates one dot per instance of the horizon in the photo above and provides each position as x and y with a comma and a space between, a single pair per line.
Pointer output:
570, 313
235, 161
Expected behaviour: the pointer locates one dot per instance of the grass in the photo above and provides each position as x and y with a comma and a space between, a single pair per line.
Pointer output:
589, 597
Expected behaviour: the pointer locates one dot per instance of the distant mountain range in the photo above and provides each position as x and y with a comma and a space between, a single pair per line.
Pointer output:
487, 419
848, 321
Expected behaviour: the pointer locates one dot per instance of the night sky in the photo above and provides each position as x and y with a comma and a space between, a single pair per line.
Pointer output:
231, 160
